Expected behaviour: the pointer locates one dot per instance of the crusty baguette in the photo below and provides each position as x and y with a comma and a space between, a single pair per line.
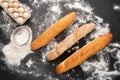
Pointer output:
69, 41
84, 53
53, 31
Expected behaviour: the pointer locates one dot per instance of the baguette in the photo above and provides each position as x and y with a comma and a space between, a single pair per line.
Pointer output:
69, 41
84, 53
53, 31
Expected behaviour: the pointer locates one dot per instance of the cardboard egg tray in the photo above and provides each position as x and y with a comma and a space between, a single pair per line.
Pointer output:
16, 10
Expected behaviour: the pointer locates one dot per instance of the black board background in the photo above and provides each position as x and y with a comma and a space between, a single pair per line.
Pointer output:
103, 8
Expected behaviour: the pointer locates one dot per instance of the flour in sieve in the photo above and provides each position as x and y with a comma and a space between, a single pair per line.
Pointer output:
15, 53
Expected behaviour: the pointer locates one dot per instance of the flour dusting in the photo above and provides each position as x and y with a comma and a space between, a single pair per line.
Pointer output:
116, 7
29, 63
6, 23
95, 66
15, 53
80, 6
47, 49
35, 3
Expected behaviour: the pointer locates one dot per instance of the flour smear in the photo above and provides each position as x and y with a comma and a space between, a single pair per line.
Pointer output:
13, 52
95, 69
13, 55
116, 7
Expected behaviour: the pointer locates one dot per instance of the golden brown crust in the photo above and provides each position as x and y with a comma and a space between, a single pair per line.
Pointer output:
53, 31
69, 41
84, 53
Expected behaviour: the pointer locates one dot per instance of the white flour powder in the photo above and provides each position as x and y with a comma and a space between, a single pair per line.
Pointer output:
15, 53
29, 63
116, 7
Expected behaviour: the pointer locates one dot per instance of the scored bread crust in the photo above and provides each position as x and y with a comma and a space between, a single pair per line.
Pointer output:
69, 41
53, 31
84, 53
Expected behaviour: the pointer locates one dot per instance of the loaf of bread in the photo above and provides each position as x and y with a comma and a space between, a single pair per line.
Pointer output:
69, 41
53, 31
84, 53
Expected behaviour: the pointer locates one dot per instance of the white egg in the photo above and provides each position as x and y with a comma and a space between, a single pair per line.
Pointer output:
26, 15
1, 1
16, 4
20, 20
15, 15
10, 4
5, 4
21, 9
10, 10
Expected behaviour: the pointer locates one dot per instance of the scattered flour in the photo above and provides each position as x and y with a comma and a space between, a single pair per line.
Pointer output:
48, 48
114, 50
50, 17
116, 7
117, 65
55, 8
1, 45
29, 63
35, 3
105, 73
100, 69
14, 55
55, 1
6, 23
80, 6
90, 67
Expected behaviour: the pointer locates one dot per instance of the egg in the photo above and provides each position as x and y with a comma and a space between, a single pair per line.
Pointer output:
1, 1
15, 4
10, 4
10, 10
21, 9
15, 15
12, 0
20, 20
26, 15
5, 4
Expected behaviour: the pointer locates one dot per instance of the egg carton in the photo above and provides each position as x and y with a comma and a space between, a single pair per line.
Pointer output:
16, 10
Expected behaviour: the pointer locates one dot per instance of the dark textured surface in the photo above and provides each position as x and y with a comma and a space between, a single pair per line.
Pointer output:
103, 8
